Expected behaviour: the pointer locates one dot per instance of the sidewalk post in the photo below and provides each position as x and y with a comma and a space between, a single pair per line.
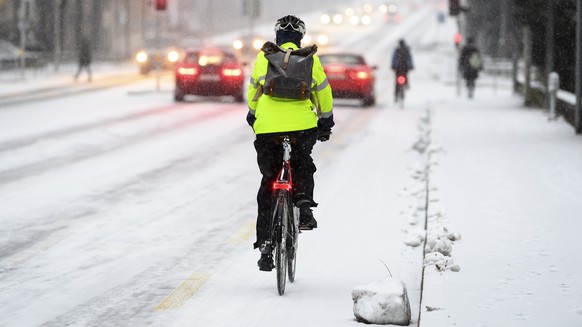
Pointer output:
553, 86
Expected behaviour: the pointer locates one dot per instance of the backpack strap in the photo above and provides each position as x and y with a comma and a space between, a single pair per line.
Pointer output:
286, 59
258, 93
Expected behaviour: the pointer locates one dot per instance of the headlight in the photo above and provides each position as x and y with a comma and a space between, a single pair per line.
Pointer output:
366, 20
141, 57
258, 44
322, 39
306, 39
237, 44
173, 56
325, 19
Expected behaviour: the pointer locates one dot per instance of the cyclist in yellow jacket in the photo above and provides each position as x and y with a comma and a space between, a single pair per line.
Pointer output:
305, 121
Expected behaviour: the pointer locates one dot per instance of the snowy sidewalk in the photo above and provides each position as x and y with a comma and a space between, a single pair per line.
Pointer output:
509, 183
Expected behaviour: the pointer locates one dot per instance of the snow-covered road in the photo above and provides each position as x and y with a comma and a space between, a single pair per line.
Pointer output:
122, 208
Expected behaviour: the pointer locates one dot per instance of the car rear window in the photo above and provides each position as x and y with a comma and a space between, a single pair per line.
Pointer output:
209, 58
342, 59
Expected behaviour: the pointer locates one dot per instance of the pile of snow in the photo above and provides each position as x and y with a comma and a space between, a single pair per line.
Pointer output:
433, 232
382, 302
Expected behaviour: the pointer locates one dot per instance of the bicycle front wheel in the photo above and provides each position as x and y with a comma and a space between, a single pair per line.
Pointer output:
282, 219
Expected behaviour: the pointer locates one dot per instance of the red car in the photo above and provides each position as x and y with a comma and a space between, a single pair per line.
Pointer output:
209, 72
350, 77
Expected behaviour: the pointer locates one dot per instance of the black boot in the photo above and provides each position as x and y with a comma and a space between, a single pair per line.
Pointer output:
266, 261
306, 219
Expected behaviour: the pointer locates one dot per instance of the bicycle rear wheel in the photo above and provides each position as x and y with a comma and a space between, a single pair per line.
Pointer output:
292, 241
400, 94
282, 219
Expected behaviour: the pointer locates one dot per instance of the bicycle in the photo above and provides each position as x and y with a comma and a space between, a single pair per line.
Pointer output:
400, 87
284, 224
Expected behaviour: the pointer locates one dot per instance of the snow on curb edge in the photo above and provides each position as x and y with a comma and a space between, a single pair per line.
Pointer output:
428, 227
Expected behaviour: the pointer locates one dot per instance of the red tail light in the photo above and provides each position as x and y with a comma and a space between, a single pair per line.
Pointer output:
231, 72
401, 79
360, 74
282, 186
187, 71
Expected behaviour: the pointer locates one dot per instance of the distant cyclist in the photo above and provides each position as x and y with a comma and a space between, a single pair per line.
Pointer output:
402, 62
271, 117
470, 63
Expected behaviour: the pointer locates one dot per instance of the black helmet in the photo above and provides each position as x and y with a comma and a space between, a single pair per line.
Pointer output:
290, 23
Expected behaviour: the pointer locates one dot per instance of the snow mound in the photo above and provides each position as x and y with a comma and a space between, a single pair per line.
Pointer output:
382, 302
415, 238
441, 262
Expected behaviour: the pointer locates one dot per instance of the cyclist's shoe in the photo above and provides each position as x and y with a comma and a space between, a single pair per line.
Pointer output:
266, 261
306, 219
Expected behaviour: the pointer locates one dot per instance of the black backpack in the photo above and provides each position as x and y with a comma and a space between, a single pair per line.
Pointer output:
289, 73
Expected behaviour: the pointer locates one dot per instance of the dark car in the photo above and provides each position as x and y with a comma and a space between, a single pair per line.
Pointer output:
149, 60
209, 72
350, 77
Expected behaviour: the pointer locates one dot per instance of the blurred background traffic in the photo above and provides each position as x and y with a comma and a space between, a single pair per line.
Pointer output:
43, 34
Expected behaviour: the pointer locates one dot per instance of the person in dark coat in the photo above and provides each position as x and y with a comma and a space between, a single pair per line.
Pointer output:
470, 63
402, 62
84, 58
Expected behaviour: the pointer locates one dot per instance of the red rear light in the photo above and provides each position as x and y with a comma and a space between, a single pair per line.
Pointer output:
187, 71
282, 186
360, 74
231, 72
401, 79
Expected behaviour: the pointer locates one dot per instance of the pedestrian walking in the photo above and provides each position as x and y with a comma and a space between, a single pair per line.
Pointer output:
84, 58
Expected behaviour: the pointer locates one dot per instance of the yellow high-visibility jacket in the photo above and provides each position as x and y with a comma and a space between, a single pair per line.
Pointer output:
286, 115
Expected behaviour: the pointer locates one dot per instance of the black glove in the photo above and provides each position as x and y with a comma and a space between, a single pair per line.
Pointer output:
251, 119
323, 134
325, 123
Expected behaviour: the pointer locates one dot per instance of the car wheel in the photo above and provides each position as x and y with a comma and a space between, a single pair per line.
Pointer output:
239, 98
369, 101
178, 96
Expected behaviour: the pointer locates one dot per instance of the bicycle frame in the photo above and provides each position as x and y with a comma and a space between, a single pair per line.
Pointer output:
284, 179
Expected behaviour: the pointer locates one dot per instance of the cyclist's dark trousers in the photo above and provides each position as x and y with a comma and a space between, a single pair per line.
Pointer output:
270, 158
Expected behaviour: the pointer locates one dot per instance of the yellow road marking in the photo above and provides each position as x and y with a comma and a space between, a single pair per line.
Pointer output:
184, 292
244, 233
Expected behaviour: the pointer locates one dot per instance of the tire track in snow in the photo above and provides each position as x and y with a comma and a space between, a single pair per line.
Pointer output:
61, 161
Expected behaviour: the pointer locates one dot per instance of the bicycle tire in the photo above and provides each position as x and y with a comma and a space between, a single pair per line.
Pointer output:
400, 94
281, 241
292, 242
